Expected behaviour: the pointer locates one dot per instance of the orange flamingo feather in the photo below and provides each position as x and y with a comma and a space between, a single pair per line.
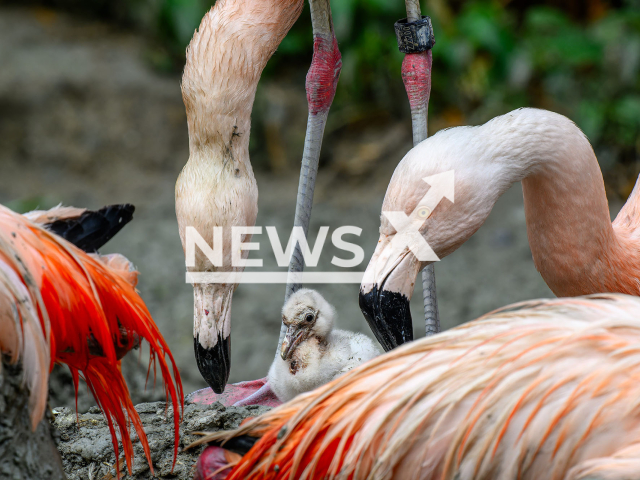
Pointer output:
480, 401
59, 304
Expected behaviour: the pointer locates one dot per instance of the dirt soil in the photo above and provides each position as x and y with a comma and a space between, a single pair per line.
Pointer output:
86, 121
24, 453
87, 451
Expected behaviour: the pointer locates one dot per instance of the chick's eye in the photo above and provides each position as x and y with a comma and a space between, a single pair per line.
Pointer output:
308, 318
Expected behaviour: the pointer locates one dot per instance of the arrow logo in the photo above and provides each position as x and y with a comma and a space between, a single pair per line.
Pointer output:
408, 226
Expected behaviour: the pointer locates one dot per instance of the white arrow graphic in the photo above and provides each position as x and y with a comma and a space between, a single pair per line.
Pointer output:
441, 187
408, 226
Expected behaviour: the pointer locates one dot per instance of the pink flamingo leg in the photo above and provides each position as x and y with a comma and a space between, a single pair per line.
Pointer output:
416, 74
322, 81
263, 396
212, 464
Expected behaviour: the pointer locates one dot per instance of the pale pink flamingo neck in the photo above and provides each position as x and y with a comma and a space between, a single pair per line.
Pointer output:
224, 62
574, 244
575, 247
217, 187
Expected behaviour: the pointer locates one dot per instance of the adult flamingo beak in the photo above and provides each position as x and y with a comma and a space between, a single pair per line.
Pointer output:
212, 333
385, 293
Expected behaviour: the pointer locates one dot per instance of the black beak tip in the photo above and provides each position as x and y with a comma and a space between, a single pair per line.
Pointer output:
367, 303
214, 363
389, 316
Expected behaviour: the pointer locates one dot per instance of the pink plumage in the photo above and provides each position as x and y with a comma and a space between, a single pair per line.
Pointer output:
543, 389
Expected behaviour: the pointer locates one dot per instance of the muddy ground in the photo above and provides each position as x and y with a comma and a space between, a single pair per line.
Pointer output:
87, 451
85, 120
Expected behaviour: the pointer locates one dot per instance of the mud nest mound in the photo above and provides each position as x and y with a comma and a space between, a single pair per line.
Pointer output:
87, 452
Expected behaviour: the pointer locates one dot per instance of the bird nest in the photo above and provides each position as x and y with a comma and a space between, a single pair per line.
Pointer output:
87, 452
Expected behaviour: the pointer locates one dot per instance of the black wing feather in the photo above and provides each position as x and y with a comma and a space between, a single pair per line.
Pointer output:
91, 230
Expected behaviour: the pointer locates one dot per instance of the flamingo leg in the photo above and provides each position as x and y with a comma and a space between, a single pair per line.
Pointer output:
322, 80
416, 74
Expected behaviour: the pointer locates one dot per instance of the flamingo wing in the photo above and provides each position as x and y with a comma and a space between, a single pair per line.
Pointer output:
60, 304
545, 389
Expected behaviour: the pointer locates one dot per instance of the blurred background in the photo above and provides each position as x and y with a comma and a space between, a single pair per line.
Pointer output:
91, 114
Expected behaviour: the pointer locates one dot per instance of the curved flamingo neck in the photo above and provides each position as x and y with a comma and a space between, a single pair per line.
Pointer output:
224, 62
575, 247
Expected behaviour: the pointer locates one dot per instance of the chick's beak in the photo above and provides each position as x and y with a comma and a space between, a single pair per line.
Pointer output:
291, 341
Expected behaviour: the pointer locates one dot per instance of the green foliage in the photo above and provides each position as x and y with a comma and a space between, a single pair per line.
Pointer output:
177, 20
487, 60
29, 204
486, 63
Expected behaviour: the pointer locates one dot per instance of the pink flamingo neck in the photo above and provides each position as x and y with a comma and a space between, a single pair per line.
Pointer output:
224, 62
575, 247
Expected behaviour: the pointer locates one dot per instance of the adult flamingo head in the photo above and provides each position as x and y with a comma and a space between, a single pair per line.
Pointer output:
434, 203
565, 206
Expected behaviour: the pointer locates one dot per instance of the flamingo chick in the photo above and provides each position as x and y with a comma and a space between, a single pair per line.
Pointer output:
546, 389
312, 352
575, 247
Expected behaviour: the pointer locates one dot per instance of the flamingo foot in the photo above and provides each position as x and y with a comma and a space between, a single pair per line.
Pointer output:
253, 392
213, 461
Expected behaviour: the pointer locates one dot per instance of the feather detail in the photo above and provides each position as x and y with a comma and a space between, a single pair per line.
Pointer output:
76, 305
120, 265
24, 329
45, 217
88, 230
544, 389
